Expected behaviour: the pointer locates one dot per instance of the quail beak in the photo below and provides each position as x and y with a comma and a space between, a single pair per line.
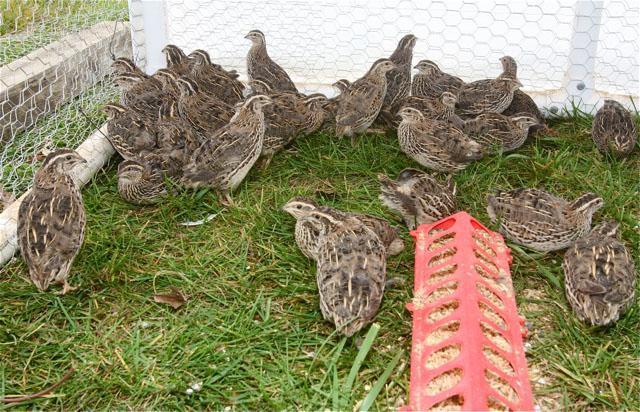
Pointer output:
246, 37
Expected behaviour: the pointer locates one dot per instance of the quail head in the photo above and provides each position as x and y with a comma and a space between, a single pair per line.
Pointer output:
261, 67
418, 197
494, 130
140, 183
436, 144
176, 59
51, 221
398, 79
614, 130
224, 160
431, 82
127, 132
361, 103
214, 80
540, 220
599, 276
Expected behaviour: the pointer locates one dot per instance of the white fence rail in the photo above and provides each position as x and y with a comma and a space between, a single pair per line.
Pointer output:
568, 51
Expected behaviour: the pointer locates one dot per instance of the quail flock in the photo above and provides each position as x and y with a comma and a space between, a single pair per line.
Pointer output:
195, 124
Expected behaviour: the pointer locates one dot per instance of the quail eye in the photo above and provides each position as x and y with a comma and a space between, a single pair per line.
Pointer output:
299, 207
68, 157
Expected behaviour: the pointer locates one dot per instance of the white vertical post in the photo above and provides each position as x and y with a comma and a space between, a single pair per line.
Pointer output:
579, 80
148, 19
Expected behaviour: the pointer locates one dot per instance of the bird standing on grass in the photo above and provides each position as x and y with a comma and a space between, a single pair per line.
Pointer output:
51, 221
261, 67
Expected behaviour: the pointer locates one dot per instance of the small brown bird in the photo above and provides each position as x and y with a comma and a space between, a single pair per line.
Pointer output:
431, 82
398, 79
261, 67
177, 140
435, 144
307, 235
140, 94
351, 274
140, 183
224, 160
206, 113
614, 130
214, 80
331, 106
360, 104
540, 220
418, 197
489, 95
497, 130
600, 277
51, 221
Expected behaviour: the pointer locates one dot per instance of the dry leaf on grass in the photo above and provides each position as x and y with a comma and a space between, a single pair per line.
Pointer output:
175, 299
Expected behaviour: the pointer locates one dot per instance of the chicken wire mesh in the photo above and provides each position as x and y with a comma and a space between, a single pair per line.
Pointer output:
568, 51
53, 56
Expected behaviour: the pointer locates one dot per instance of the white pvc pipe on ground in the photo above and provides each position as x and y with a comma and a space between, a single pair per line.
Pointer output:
96, 150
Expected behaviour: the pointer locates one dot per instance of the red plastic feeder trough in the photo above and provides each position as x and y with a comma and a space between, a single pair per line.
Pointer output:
467, 351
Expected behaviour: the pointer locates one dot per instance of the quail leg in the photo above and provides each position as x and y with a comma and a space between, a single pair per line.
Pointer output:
226, 200
66, 287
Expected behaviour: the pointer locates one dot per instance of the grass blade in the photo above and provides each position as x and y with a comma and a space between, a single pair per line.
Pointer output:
362, 354
377, 387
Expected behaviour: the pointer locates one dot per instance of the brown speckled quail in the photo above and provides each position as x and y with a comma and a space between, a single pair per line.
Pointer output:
140, 94
522, 103
128, 132
307, 237
261, 67
140, 183
176, 59
204, 112
351, 274
540, 220
436, 144
489, 95
431, 82
614, 130
331, 106
360, 104
51, 221
213, 80
437, 109
599, 276
224, 160
418, 197
494, 130
398, 79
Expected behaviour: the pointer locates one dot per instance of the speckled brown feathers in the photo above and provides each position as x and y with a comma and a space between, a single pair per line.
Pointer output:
494, 130
435, 144
418, 197
205, 113
140, 183
261, 67
614, 130
431, 82
398, 79
600, 277
214, 80
540, 220
51, 221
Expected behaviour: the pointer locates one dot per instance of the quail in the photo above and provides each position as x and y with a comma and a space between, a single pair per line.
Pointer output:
360, 104
442, 108
614, 130
140, 95
599, 276
497, 130
140, 183
398, 79
127, 132
205, 113
51, 221
214, 80
176, 59
224, 160
418, 197
331, 106
540, 220
436, 144
261, 67
431, 82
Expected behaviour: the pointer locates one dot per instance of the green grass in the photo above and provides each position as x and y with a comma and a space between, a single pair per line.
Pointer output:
252, 331
29, 24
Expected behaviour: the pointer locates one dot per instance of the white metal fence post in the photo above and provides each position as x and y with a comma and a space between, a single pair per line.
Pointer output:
149, 32
579, 78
